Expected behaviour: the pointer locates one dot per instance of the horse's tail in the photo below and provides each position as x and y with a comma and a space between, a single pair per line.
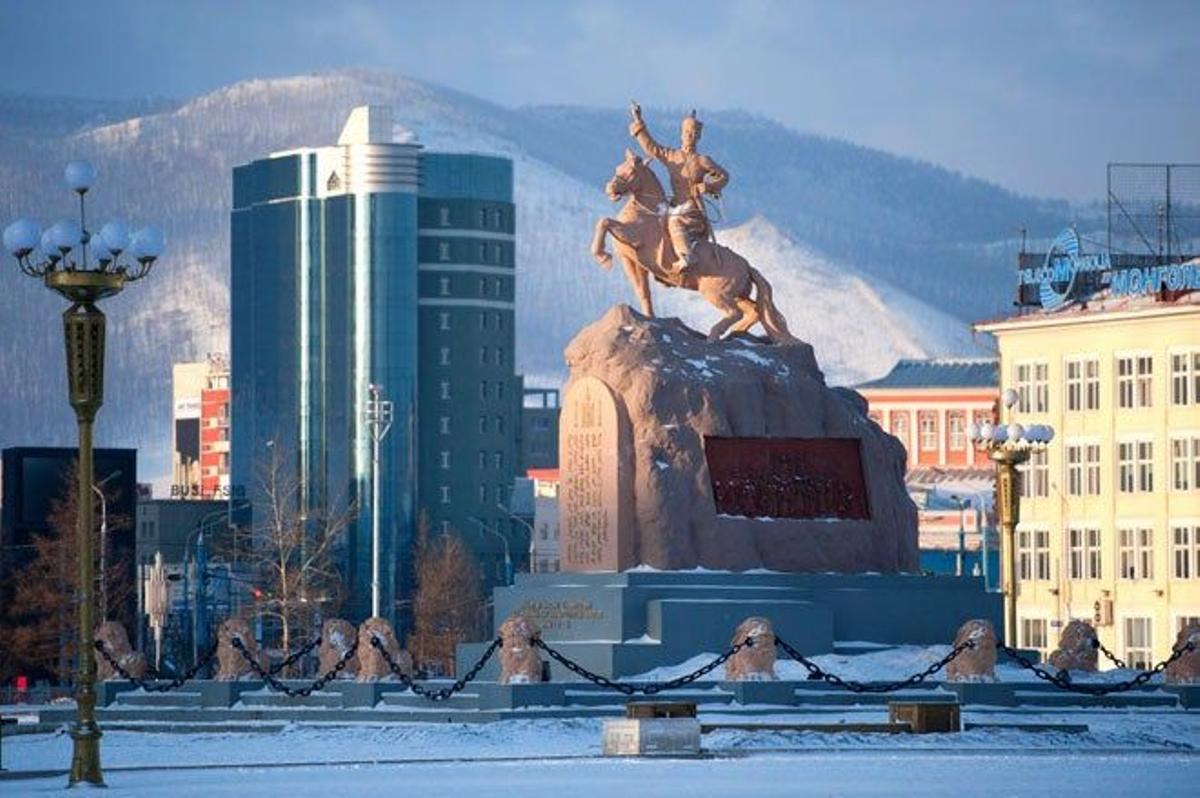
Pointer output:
772, 320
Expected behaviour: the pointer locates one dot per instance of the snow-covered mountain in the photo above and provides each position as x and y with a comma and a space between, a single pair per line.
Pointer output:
840, 230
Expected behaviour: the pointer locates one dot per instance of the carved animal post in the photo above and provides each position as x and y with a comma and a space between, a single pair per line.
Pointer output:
755, 663
337, 636
976, 664
519, 660
232, 665
372, 667
116, 642
1186, 669
1076, 648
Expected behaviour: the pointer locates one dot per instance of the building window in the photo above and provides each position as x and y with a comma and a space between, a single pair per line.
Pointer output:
497, 253
445, 494
444, 320
445, 386
1138, 643
483, 217
445, 458
1083, 384
483, 423
1184, 621
1083, 553
900, 427
444, 356
1135, 381
1033, 386
1035, 476
1033, 633
498, 459
500, 425
499, 286
444, 216
1185, 377
444, 286
499, 219
499, 321
443, 250
957, 422
1083, 469
499, 390
1185, 551
483, 355
483, 393
929, 432
1135, 466
1024, 555
1185, 463
483, 285
482, 253
482, 320
482, 494
444, 425
1135, 553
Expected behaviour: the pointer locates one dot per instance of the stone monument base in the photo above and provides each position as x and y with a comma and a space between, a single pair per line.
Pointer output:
622, 624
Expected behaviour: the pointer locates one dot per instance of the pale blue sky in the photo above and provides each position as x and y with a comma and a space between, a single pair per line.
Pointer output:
1036, 96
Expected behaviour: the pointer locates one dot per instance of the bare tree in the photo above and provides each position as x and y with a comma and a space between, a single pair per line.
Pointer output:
292, 550
448, 605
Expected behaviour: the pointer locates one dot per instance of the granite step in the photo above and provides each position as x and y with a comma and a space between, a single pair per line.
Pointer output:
409, 700
1063, 698
174, 698
265, 698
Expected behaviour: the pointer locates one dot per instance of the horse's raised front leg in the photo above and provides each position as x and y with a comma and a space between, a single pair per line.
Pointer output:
733, 315
598, 252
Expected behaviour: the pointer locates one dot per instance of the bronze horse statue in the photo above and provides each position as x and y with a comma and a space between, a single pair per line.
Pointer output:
722, 276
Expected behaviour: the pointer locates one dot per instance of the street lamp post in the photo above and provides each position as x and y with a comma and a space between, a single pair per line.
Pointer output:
508, 569
378, 415
1008, 446
104, 543
59, 257
528, 526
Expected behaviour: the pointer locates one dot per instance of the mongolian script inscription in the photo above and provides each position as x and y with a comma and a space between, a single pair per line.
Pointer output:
787, 477
589, 441
549, 614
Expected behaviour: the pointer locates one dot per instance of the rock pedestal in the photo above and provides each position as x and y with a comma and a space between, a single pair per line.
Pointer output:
519, 660
976, 664
337, 636
116, 642
1076, 648
755, 663
646, 398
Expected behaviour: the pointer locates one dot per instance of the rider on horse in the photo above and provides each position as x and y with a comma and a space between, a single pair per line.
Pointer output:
692, 176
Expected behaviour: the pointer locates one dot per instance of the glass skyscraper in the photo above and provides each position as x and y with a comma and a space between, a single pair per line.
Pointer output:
328, 297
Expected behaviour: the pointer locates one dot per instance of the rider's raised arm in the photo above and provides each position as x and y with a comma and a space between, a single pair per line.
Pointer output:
637, 129
715, 178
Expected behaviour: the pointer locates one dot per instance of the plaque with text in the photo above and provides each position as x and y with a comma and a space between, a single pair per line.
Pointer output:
595, 497
805, 478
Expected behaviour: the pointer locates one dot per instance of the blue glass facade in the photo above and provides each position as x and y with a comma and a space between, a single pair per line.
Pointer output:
324, 295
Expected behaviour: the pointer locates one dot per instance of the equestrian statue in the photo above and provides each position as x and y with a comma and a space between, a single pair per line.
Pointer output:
671, 239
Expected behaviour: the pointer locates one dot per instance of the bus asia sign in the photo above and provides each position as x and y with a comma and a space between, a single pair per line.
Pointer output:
1058, 278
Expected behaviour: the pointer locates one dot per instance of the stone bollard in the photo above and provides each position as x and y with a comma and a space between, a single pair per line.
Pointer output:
1076, 648
116, 643
974, 664
337, 636
1186, 669
232, 664
372, 667
519, 660
754, 663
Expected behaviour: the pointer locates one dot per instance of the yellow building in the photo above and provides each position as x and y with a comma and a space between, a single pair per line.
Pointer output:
1110, 514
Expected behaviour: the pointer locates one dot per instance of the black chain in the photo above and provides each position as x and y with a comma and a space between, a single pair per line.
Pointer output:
1062, 679
817, 672
645, 689
150, 685
299, 692
292, 658
425, 692
1120, 663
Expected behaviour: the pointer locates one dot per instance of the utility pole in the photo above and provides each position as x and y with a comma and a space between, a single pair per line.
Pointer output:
378, 415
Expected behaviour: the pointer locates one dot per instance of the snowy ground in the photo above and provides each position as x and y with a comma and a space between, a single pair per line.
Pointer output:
1147, 752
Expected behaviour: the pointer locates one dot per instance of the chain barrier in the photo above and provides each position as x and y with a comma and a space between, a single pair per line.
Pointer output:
294, 657
151, 684
1120, 663
425, 692
1062, 679
294, 692
817, 672
645, 689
